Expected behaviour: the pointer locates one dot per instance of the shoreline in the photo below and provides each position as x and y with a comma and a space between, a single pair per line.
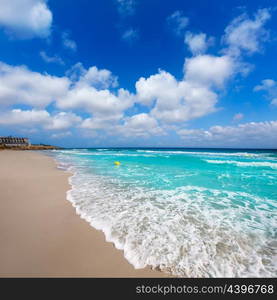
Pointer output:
40, 233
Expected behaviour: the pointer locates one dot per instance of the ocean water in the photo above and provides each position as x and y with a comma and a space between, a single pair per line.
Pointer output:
188, 212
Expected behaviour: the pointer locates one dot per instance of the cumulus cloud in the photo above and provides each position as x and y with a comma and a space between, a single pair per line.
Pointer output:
253, 134
161, 85
209, 70
246, 34
88, 90
267, 84
97, 102
174, 101
196, 95
101, 79
20, 85
98, 78
178, 22
51, 59
30, 118
91, 92
26, 18
140, 125
193, 97
68, 42
198, 43
24, 117
63, 120
270, 87
101, 122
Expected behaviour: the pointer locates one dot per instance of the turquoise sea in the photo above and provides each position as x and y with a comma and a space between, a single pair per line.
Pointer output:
189, 212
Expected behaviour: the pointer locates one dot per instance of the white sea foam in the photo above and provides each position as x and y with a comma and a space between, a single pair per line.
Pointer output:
100, 153
239, 154
190, 231
244, 164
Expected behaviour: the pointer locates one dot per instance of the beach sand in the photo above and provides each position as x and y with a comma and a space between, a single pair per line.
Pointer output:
40, 233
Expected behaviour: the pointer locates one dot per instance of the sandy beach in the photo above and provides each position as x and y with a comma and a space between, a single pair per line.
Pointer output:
40, 233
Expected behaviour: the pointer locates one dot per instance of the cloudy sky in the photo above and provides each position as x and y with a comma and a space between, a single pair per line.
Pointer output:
139, 72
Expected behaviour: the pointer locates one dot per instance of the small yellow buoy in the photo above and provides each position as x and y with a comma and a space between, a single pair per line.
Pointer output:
117, 163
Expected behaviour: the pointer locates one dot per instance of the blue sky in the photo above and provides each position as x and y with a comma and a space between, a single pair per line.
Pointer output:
139, 72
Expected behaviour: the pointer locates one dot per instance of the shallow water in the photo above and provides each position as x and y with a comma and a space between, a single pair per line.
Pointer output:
196, 213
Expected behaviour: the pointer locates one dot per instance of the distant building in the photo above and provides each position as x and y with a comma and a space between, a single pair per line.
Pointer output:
14, 141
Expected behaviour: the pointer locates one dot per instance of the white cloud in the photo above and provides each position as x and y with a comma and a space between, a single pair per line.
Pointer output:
172, 101
161, 85
126, 7
198, 43
76, 72
253, 134
98, 78
270, 87
20, 85
169, 100
24, 117
102, 122
26, 18
175, 101
245, 34
96, 102
101, 79
29, 118
130, 35
90, 92
209, 70
68, 42
194, 135
238, 116
266, 85
178, 22
140, 125
51, 59
61, 135
192, 101
63, 120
